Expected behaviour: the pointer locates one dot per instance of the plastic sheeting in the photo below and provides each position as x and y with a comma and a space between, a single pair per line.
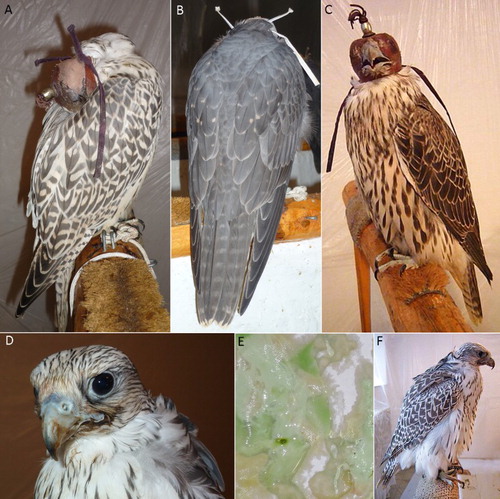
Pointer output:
456, 44
37, 29
400, 357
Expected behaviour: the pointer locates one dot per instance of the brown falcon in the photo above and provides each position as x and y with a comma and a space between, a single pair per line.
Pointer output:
108, 437
437, 416
409, 165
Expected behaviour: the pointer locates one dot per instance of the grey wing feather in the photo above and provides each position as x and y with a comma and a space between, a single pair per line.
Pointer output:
67, 203
435, 162
245, 110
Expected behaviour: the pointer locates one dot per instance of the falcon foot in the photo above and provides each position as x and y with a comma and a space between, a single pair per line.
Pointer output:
405, 261
457, 467
124, 231
450, 477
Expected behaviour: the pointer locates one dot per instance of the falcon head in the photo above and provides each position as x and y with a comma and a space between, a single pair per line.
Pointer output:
73, 79
475, 354
108, 46
375, 57
85, 390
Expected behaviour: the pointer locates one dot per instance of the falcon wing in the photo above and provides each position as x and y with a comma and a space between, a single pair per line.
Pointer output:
67, 203
431, 398
244, 117
433, 162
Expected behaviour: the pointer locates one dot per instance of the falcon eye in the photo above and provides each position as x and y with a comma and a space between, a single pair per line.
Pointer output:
103, 384
482, 354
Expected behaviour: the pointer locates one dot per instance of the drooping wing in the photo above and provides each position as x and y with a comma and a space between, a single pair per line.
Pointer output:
197, 471
432, 397
67, 203
434, 164
245, 110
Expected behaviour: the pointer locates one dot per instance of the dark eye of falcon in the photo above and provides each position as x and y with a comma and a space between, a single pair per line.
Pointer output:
103, 383
481, 354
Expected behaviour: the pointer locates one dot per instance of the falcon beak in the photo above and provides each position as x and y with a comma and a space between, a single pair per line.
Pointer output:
61, 419
490, 362
371, 55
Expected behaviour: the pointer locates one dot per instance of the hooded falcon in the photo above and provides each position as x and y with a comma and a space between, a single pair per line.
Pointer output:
246, 114
437, 417
107, 437
409, 166
98, 140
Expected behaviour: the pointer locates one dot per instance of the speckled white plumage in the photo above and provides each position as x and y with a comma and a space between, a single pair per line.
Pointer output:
67, 203
437, 416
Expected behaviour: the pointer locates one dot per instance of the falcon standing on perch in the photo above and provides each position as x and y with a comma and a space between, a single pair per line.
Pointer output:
107, 437
409, 166
246, 115
98, 140
437, 417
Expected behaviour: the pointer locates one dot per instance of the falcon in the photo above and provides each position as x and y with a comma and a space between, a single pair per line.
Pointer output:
246, 113
108, 437
437, 417
98, 140
409, 165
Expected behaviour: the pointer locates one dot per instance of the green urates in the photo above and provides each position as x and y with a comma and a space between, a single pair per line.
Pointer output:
285, 398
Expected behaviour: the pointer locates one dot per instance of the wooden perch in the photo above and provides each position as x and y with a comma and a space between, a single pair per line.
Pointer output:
117, 294
416, 299
300, 220
435, 489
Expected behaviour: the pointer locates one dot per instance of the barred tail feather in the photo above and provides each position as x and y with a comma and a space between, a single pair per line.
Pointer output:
470, 292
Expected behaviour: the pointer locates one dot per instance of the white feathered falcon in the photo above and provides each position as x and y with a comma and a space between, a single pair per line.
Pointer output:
105, 90
108, 438
409, 166
246, 114
437, 416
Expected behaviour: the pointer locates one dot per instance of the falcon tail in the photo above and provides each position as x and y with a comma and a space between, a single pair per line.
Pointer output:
41, 276
387, 473
470, 292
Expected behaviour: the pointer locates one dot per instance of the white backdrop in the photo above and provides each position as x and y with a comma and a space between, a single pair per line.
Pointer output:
36, 29
457, 45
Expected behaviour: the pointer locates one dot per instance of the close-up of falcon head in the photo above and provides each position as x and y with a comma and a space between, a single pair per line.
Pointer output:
247, 112
409, 166
98, 140
436, 421
106, 436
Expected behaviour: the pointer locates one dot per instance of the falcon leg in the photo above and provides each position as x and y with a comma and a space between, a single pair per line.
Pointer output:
103, 240
108, 238
450, 477
405, 261
457, 467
